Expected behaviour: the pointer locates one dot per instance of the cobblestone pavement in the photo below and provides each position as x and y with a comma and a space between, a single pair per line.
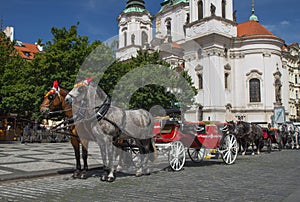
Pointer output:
267, 177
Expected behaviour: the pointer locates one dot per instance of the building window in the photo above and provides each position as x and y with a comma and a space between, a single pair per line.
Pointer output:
254, 90
200, 10
200, 81
168, 28
144, 39
223, 8
226, 80
125, 39
296, 79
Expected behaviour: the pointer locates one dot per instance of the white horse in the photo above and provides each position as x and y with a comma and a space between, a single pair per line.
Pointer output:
108, 124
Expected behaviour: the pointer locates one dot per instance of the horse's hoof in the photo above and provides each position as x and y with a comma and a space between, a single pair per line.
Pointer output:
110, 179
147, 171
119, 168
138, 174
76, 174
103, 178
83, 176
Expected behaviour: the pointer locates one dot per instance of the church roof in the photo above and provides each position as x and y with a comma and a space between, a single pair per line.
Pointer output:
253, 29
135, 6
169, 3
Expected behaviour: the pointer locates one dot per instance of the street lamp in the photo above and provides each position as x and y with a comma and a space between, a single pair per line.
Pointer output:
177, 92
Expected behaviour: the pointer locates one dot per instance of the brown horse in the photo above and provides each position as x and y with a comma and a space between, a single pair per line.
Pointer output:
54, 100
249, 134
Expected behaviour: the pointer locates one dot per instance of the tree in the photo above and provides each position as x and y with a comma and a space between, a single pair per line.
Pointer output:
141, 82
25, 82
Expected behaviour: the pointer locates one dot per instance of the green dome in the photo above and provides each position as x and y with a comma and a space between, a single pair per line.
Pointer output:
254, 17
135, 6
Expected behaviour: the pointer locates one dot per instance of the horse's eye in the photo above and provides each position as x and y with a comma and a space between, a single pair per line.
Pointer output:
81, 89
51, 97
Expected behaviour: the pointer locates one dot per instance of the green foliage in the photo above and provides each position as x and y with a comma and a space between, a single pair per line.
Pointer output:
142, 82
139, 82
24, 83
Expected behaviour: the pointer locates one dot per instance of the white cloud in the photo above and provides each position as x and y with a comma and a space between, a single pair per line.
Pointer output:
285, 22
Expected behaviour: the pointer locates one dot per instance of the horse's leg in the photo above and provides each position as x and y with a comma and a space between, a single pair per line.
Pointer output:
103, 152
293, 140
84, 146
258, 145
149, 154
76, 147
106, 148
244, 145
111, 153
297, 140
140, 158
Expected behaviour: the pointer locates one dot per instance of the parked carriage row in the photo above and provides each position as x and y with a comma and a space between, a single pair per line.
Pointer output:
198, 138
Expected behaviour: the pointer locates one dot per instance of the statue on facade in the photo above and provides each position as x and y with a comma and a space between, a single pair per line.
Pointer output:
278, 91
132, 39
212, 9
234, 16
277, 85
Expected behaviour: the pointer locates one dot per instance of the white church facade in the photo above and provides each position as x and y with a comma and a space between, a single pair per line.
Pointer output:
236, 68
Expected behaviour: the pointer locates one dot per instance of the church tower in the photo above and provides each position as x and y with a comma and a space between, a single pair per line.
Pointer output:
211, 16
135, 29
209, 41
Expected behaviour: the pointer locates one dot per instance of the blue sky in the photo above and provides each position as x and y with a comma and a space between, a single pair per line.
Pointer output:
33, 19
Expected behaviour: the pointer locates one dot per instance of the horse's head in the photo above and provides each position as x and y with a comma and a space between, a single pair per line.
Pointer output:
53, 99
79, 92
240, 128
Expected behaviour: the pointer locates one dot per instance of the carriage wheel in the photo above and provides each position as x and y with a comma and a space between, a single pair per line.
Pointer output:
177, 155
269, 145
196, 154
229, 149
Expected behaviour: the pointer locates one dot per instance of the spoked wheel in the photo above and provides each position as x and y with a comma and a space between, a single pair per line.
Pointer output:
177, 155
229, 149
196, 154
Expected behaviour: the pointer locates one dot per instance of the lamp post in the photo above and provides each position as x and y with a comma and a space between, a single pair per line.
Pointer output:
177, 92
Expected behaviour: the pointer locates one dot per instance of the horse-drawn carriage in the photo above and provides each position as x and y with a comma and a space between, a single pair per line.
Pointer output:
271, 137
197, 138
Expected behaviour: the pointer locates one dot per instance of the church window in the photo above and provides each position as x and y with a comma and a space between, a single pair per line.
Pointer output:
226, 79
254, 90
125, 39
200, 10
200, 81
223, 8
144, 39
168, 27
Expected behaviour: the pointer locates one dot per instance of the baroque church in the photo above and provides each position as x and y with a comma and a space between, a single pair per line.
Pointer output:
237, 68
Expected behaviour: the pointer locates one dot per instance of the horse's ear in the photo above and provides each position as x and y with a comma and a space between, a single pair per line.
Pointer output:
55, 84
89, 80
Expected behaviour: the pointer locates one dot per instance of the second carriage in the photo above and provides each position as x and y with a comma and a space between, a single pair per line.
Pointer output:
196, 139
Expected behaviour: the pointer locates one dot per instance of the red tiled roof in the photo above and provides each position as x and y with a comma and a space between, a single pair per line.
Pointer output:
253, 29
27, 50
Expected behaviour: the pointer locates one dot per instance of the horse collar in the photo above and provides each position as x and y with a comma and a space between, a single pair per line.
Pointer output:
103, 109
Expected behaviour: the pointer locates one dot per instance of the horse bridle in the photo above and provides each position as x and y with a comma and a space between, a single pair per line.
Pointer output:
54, 92
100, 113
